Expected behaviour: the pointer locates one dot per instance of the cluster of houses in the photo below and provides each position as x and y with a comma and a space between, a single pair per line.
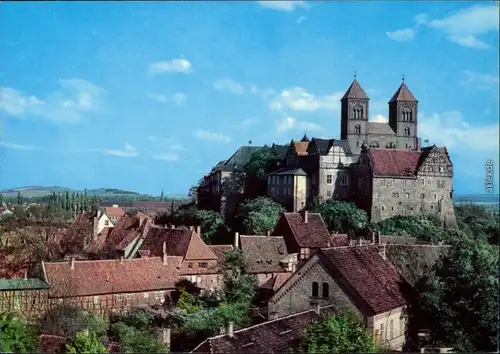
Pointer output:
302, 270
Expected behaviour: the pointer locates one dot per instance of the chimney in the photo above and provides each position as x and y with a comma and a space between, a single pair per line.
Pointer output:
306, 217
173, 226
191, 228
236, 240
72, 263
230, 329
360, 241
99, 213
26, 273
377, 237
166, 226
121, 259
198, 230
373, 237
166, 337
317, 308
383, 252
164, 254
268, 233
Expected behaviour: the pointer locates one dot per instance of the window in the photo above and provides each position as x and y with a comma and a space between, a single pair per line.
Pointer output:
106, 222
357, 129
146, 295
329, 194
383, 208
422, 180
203, 265
407, 132
269, 180
289, 191
422, 196
33, 300
96, 300
391, 146
325, 290
158, 295
315, 289
128, 297
344, 180
429, 182
432, 207
401, 325
382, 334
118, 297
358, 112
407, 195
441, 169
329, 179
434, 196
395, 195
391, 329
190, 265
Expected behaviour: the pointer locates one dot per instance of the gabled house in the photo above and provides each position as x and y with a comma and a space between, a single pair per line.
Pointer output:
199, 263
120, 240
282, 335
114, 213
357, 279
101, 221
110, 285
304, 233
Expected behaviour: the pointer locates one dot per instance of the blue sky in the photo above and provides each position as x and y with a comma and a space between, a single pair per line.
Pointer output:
149, 96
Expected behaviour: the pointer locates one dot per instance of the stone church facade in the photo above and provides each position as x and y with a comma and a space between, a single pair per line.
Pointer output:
379, 166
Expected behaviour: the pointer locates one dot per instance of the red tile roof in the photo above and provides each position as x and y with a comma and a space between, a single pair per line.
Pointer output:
219, 250
314, 234
151, 205
403, 94
398, 163
276, 281
355, 91
111, 276
125, 230
52, 344
116, 212
375, 280
179, 242
339, 240
276, 336
263, 254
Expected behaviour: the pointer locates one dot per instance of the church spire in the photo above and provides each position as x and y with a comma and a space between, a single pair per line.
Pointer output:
403, 93
305, 139
355, 91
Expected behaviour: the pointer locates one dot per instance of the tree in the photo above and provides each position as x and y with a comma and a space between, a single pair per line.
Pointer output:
342, 216
134, 340
19, 198
260, 163
16, 335
161, 195
86, 342
1, 199
67, 321
478, 221
338, 333
211, 222
422, 227
258, 215
458, 302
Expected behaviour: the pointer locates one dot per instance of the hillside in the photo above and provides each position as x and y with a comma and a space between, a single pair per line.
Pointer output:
40, 191
478, 198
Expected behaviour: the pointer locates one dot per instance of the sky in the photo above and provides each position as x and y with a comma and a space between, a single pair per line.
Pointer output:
149, 96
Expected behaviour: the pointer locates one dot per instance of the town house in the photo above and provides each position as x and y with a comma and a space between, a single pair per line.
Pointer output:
27, 296
358, 279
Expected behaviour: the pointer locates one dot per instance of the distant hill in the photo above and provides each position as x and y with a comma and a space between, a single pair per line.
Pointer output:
478, 198
40, 191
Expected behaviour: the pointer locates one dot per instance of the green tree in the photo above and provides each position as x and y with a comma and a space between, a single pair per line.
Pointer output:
16, 335
1, 199
187, 302
161, 195
212, 223
260, 163
259, 215
479, 221
422, 227
86, 342
459, 300
342, 216
133, 340
338, 333
19, 198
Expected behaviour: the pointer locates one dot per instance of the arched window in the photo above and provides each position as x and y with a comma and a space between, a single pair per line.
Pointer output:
357, 129
407, 131
391, 146
315, 289
374, 145
406, 115
358, 112
325, 290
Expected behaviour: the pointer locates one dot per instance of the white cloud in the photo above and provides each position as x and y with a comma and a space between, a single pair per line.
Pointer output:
164, 149
464, 26
451, 130
178, 98
379, 118
481, 81
298, 99
168, 156
75, 98
291, 123
170, 67
211, 136
17, 146
227, 84
127, 151
285, 6
402, 35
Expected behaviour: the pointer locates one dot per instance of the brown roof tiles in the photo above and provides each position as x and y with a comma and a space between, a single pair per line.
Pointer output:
219, 250
396, 163
403, 94
116, 212
263, 254
111, 276
276, 336
300, 147
125, 230
355, 91
373, 278
313, 234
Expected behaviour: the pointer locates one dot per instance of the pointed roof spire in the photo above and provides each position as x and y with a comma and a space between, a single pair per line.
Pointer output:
305, 139
403, 93
355, 91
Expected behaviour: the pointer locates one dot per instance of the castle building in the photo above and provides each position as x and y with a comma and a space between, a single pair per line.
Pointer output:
379, 166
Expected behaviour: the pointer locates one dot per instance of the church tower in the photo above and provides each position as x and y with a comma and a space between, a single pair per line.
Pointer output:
403, 113
354, 117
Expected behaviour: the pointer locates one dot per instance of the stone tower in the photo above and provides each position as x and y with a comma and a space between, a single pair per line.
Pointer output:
354, 116
403, 113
